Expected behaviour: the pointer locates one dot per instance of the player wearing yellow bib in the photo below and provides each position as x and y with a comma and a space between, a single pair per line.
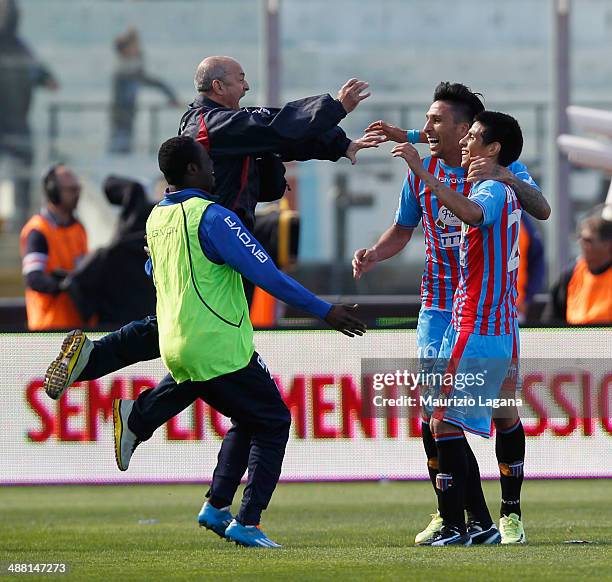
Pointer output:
199, 250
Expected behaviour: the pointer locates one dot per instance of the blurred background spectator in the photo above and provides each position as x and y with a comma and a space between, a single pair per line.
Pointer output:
128, 78
583, 293
52, 244
20, 74
111, 283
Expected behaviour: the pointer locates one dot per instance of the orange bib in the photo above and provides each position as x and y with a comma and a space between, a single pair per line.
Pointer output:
589, 297
66, 244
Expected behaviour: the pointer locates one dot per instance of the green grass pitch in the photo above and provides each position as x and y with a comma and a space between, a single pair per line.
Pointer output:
330, 531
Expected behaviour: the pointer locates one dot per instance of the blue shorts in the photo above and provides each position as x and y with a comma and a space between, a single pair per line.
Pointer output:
430, 330
474, 367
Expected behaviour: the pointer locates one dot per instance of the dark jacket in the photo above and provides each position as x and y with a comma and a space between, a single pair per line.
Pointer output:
556, 310
242, 142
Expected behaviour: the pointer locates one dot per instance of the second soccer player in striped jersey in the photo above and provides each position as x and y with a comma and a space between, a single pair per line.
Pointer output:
483, 335
447, 122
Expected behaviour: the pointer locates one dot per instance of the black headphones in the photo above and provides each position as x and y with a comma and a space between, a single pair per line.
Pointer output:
50, 184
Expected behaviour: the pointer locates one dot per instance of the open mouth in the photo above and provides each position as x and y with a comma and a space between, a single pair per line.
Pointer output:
433, 141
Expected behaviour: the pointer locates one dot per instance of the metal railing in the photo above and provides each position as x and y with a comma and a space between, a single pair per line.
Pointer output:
404, 113
58, 109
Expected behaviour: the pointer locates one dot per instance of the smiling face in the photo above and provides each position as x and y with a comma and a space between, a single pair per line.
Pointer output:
444, 132
473, 146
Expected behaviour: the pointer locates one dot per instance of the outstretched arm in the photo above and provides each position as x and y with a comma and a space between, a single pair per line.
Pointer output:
389, 132
225, 239
156, 83
261, 130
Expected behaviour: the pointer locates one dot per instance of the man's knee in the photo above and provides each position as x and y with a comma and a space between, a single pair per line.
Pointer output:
507, 418
279, 426
440, 427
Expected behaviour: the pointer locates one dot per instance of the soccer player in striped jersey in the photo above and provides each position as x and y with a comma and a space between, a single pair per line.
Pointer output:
483, 335
447, 121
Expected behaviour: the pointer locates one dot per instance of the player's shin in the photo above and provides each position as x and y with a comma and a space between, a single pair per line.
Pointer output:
510, 451
431, 451
475, 504
451, 479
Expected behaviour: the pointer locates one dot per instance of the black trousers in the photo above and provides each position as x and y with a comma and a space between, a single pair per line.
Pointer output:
249, 397
138, 341
256, 439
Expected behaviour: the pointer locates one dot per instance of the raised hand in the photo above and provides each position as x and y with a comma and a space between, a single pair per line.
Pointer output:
363, 261
341, 318
350, 94
386, 132
409, 153
364, 142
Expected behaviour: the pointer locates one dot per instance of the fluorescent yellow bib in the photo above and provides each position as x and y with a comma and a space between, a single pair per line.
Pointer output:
202, 312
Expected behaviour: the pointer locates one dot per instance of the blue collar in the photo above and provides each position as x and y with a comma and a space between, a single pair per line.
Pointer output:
182, 195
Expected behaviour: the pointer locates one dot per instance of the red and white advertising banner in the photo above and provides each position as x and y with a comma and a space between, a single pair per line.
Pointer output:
566, 414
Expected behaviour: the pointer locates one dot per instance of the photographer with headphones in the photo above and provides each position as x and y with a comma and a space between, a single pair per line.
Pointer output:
52, 243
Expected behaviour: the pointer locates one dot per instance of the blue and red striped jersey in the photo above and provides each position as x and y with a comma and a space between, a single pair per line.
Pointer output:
485, 300
442, 229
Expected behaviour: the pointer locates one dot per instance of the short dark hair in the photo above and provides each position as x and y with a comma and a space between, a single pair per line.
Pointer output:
505, 130
174, 156
466, 104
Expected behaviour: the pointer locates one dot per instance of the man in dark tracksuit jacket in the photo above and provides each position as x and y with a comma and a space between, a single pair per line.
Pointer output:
248, 146
240, 143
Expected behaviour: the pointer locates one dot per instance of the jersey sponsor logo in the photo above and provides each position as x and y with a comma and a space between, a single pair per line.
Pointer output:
446, 218
451, 179
246, 240
450, 239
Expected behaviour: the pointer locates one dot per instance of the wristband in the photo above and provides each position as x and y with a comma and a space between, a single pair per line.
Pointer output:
413, 136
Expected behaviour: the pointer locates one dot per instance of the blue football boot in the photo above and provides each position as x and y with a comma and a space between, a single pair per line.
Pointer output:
214, 519
249, 535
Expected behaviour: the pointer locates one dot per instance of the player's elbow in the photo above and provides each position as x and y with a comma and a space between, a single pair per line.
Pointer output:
400, 235
545, 211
